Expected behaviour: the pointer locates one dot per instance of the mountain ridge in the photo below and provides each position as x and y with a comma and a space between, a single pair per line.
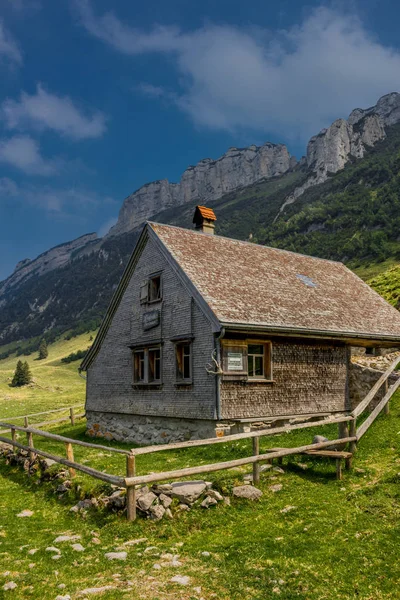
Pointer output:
71, 284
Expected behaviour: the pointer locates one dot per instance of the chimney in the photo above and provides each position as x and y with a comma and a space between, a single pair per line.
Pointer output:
204, 219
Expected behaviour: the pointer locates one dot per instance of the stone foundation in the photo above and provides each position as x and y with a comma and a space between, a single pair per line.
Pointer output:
361, 381
145, 430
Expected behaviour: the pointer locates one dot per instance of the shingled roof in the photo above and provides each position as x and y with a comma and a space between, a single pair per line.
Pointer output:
245, 284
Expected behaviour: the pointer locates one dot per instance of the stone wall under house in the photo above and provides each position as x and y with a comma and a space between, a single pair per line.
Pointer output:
307, 378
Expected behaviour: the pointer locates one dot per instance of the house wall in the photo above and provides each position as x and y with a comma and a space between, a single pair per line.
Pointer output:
307, 378
117, 408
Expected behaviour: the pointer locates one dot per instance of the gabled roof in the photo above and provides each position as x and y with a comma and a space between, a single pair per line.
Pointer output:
246, 284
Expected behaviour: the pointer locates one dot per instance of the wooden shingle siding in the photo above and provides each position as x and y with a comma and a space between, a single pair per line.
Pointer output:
307, 378
110, 380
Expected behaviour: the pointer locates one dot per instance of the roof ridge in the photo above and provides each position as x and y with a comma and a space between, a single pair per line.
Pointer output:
224, 237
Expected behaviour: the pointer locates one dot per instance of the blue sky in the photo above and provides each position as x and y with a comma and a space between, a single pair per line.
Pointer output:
96, 101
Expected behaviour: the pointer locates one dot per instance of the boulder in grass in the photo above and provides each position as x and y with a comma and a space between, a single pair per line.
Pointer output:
156, 512
247, 491
188, 492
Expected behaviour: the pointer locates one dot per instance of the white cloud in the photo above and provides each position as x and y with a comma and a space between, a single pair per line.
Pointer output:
9, 49
59, 201
23, 153
44, 110
291, 82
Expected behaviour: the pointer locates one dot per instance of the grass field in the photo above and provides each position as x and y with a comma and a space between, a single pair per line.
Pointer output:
339, 541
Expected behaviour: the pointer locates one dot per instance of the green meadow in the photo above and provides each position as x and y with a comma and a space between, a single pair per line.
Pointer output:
315, 539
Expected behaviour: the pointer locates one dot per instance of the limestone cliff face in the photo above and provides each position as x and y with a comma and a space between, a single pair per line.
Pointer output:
332, 148
52, 259
207, 181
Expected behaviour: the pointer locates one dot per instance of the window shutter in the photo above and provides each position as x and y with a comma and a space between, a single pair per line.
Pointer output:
234, 360
144, 291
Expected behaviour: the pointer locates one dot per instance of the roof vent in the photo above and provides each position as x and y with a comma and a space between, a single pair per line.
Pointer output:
204, 219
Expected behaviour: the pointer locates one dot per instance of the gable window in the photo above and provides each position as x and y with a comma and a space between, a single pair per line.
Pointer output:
183, 353
147, 366
151, 289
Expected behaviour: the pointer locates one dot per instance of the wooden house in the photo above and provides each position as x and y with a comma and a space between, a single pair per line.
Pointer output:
206, 334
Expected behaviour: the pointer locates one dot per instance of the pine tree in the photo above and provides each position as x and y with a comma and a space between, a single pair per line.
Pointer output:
22, 375
43, 351
26, 374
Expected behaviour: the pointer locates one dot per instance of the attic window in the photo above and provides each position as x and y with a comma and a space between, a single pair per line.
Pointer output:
155, 288
151, 289
307, 280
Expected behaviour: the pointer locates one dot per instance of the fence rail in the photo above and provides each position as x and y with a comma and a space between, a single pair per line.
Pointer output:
72, 416
348, 434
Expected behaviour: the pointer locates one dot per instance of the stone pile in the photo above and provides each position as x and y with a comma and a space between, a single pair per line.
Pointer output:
160, 500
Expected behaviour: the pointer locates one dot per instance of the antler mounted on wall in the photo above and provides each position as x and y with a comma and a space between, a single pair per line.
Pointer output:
210, 366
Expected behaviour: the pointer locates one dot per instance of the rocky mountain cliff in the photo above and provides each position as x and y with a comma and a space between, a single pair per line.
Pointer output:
205, 182
330, 150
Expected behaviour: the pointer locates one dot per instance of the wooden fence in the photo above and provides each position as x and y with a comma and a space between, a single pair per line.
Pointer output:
348, 434
72, 416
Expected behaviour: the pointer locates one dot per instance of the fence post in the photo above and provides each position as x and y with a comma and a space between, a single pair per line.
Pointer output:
70, 457
72, 416
386, 410
130, 491
256, 465
14, 438
353, 445
26, 422
29, 437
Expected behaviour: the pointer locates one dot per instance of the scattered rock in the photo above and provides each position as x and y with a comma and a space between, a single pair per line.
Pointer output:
302, 466
78, 547
156, 512
168, 513
181, 579
95, 590
32, 551
53, 549
61, 586
276, 487
187, 492
247, 491
11, 585
278, 470
84, 505
116, 555
227, 501
205, 553
166, 501
25, 513
287, 509
208, 501
150, 549
66, 538
265, 467
67, 597
183, 507
146, 500
214, 494
318, 439
134, 542
157, 567
96, 541
56, 556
